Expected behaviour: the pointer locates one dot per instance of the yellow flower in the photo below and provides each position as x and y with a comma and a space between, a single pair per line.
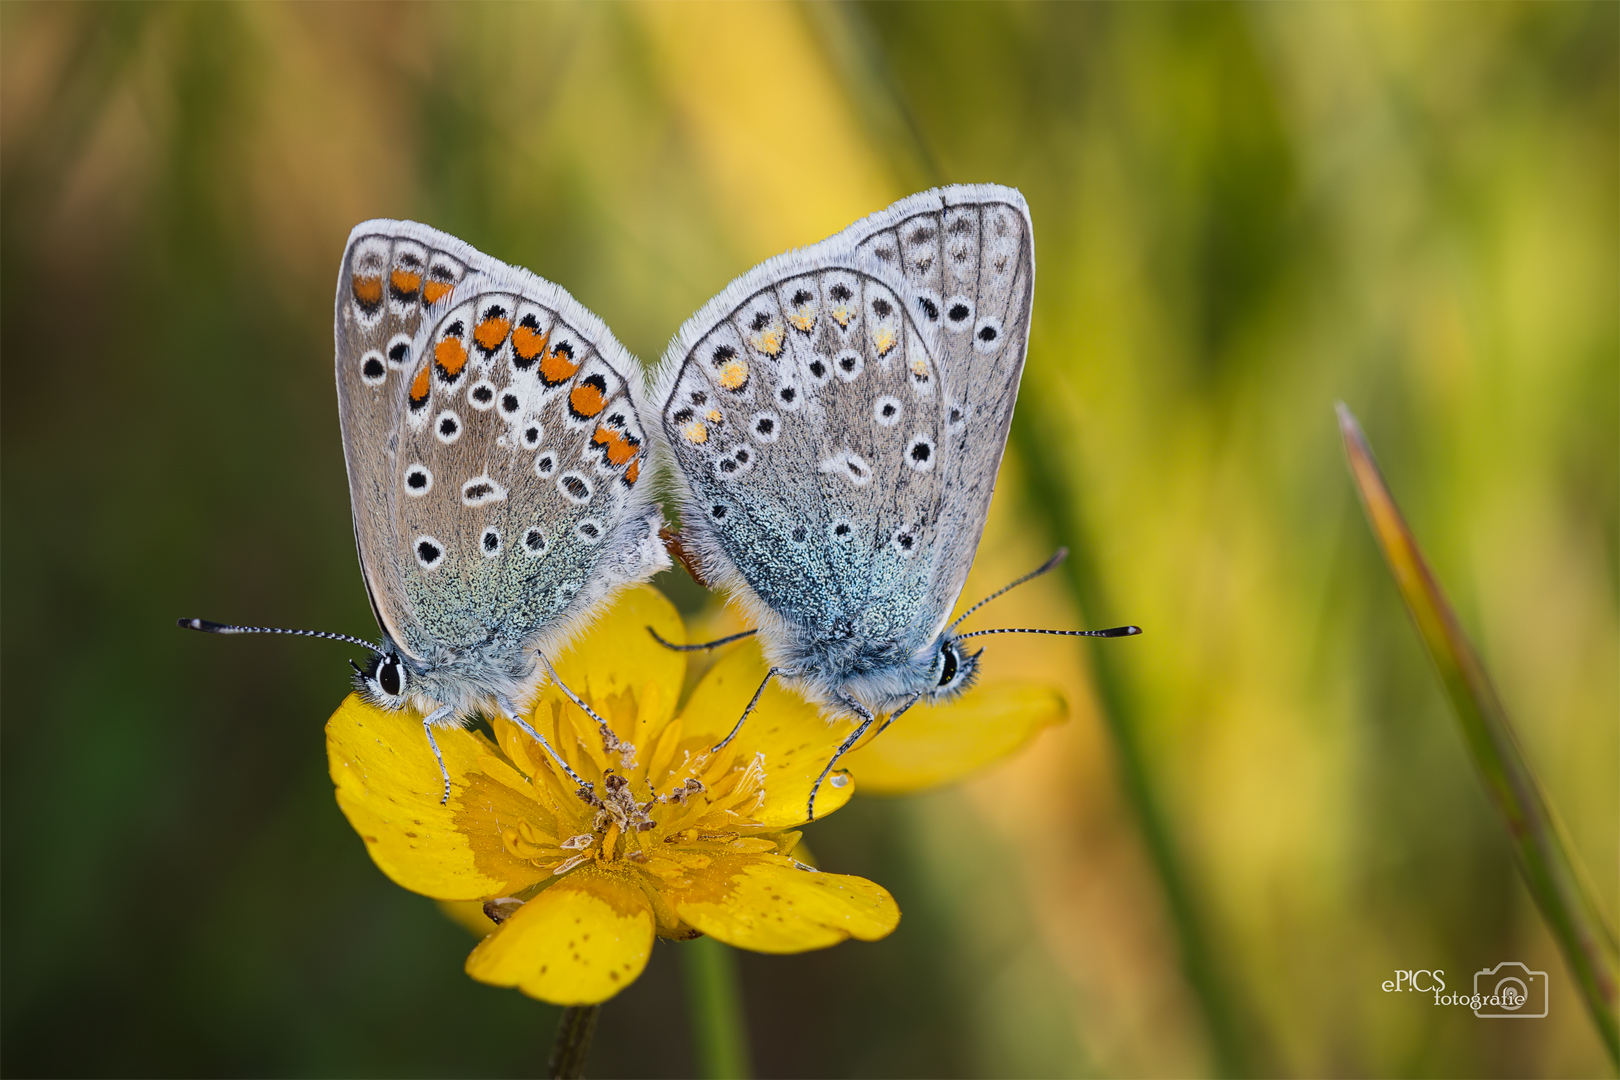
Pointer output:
670, 839
928, 747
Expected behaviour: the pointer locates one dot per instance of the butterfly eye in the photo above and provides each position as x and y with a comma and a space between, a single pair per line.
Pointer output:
390, 677
948, 672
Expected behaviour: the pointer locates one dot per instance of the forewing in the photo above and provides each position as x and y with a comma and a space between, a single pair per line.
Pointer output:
392, 274
966, 254
510, 467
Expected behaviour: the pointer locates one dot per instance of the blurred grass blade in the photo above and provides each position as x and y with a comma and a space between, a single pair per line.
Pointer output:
1554, 878
714, 999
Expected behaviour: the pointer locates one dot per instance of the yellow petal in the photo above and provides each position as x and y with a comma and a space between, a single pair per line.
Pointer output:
579, 942
389, 787
796, 741
934, 745
767, 904
617, 655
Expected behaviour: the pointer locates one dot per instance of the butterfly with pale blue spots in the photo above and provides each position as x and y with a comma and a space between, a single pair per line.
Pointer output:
836, 418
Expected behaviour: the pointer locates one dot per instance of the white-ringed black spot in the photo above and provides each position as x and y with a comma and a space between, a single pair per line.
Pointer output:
373, 372
818, 369
959, 312
429, 552
481, 394
418, 481
766, 427
887, 410
727, 466
399, 350
726, 353
575, 488
842, 530
510, 403
801, 297
481, 490
718, 511
590, 530
930, 307
490, 542
545, 464
881, 308
920, 453
840, 292
905, 543
760, 321
850, 365
789, 396
987, 336
956, 416
447, 426
531, 436
534, 542
699, 397
798, 534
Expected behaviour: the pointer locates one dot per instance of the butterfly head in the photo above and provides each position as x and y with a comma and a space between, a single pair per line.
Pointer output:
385, 681
953, 671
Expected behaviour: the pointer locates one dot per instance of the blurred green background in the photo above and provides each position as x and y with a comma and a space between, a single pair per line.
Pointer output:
1260, 810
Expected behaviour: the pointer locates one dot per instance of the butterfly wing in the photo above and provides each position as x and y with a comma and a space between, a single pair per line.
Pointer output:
885, 363
494, 442
804, 408
967, 257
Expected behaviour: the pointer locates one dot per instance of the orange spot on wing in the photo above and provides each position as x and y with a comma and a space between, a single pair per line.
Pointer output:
405, 282
451, 356
558, 365
368, 290
632, 474
419, 388
528, 343
734, 375
434, 291
491, 332
619, 448
586, 400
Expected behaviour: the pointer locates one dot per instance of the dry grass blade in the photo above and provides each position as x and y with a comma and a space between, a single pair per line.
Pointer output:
1544, 856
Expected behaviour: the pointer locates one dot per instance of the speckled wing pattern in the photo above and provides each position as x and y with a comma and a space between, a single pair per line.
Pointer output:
495, 449
838, 415
968, 259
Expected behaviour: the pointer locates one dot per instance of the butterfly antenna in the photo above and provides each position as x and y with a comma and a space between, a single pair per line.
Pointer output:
226, 628
1112, 631
1050, 564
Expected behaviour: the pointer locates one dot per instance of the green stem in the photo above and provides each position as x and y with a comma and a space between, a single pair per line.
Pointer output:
1551, 871
573, 1042
719, 1028
1215, 996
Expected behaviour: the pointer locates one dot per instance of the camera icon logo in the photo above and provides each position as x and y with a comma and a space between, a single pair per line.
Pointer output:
1510, 990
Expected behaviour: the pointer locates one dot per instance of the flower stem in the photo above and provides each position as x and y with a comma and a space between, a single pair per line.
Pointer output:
573, 1042
719, 1029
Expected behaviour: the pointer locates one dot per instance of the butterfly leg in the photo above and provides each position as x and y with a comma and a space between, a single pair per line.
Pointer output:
896, 715
511, 712
438, 715
672, 647
843, 748
610, 740
769, 675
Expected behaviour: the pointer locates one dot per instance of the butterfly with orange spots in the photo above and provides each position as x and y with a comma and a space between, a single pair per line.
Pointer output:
496, 455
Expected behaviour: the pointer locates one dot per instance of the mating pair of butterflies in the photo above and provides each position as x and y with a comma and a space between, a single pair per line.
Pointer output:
834, 420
